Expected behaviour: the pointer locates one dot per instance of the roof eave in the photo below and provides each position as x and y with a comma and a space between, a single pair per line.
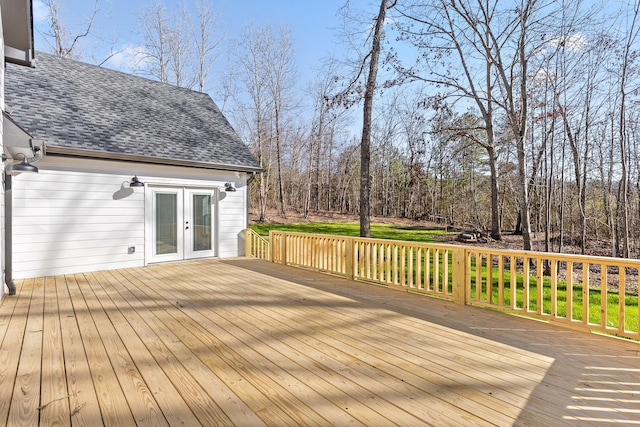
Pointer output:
18, 141
101, 155
17, 27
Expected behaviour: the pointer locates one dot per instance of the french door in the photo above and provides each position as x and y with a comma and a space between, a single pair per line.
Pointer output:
182, 224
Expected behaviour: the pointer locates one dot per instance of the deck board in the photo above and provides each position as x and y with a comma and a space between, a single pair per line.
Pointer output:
54, 406
381, 360
236, 358
83, 401
111, 402
241, 349
308, 385
246, 342
166, 373
26, 389
351, 384
15, 321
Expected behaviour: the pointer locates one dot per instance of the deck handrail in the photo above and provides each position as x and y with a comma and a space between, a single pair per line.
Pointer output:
481, 276
256, 246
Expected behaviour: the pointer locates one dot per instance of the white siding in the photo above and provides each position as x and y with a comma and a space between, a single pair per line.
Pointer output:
2, 262
232, 212
68, 222
79, 215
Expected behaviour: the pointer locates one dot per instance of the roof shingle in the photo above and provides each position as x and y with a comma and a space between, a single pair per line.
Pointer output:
70, 104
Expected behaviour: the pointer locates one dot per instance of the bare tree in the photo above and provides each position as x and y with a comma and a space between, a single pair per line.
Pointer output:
249, 77
206, 44
365, 144
367, 67
59, 38
514, 80
328, 123
280, 84
576, 99
481, 50
155, 58
465, 31
181, 47
628, 55
319, 93
414, 130
181, 51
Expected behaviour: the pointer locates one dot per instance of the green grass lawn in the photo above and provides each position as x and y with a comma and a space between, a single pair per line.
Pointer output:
378, 231
595, 298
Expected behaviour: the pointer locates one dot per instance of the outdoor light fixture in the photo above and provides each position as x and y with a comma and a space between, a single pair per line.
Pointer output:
229, 187
135, 182
24, 166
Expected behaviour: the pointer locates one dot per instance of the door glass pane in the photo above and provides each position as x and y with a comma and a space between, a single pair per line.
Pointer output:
201, 222
166, 222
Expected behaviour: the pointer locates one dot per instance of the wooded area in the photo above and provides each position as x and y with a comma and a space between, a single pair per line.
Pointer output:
504, 115
501, 115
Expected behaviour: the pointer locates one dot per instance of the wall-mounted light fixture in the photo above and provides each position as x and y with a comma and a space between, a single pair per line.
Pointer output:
135, 182
24, 166
229, 187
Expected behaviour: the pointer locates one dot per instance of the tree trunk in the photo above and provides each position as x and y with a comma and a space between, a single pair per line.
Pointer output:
365, 144
521, 136
525, 212
495, 206
518, 229
283, 211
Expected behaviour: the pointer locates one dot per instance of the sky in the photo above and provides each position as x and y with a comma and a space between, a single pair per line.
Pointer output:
313, 24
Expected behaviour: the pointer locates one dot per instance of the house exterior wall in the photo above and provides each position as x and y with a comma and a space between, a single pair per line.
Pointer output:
2, 285
79, 215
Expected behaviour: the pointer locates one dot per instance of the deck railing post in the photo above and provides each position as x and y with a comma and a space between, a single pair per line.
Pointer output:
247, 243
272, 245
283, 248
459, 275
348, 254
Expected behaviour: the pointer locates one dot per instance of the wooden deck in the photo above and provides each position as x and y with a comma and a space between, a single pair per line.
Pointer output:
246, 342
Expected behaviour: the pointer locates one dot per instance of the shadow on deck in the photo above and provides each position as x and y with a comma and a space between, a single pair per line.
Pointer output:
247, 342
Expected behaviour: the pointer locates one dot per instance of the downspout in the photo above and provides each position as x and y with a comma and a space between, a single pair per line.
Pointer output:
7, 184
8, 222
246, 204
8, 233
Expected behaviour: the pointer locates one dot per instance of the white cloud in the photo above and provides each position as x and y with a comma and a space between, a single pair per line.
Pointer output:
575, 42
127, 59
543, 75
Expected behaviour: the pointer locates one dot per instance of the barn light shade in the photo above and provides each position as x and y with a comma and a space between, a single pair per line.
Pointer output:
24, 166
135, 182
229, 187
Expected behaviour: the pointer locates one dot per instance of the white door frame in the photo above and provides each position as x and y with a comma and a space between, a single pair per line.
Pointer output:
189, 236
184, 199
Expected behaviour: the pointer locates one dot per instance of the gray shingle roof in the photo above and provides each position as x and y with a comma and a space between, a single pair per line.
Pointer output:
73, 105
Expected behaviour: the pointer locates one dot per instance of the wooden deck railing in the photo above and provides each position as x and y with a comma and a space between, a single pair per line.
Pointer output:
256, 246
596, 293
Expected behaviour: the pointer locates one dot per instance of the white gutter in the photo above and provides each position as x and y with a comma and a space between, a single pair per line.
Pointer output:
18, 143
92, 154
